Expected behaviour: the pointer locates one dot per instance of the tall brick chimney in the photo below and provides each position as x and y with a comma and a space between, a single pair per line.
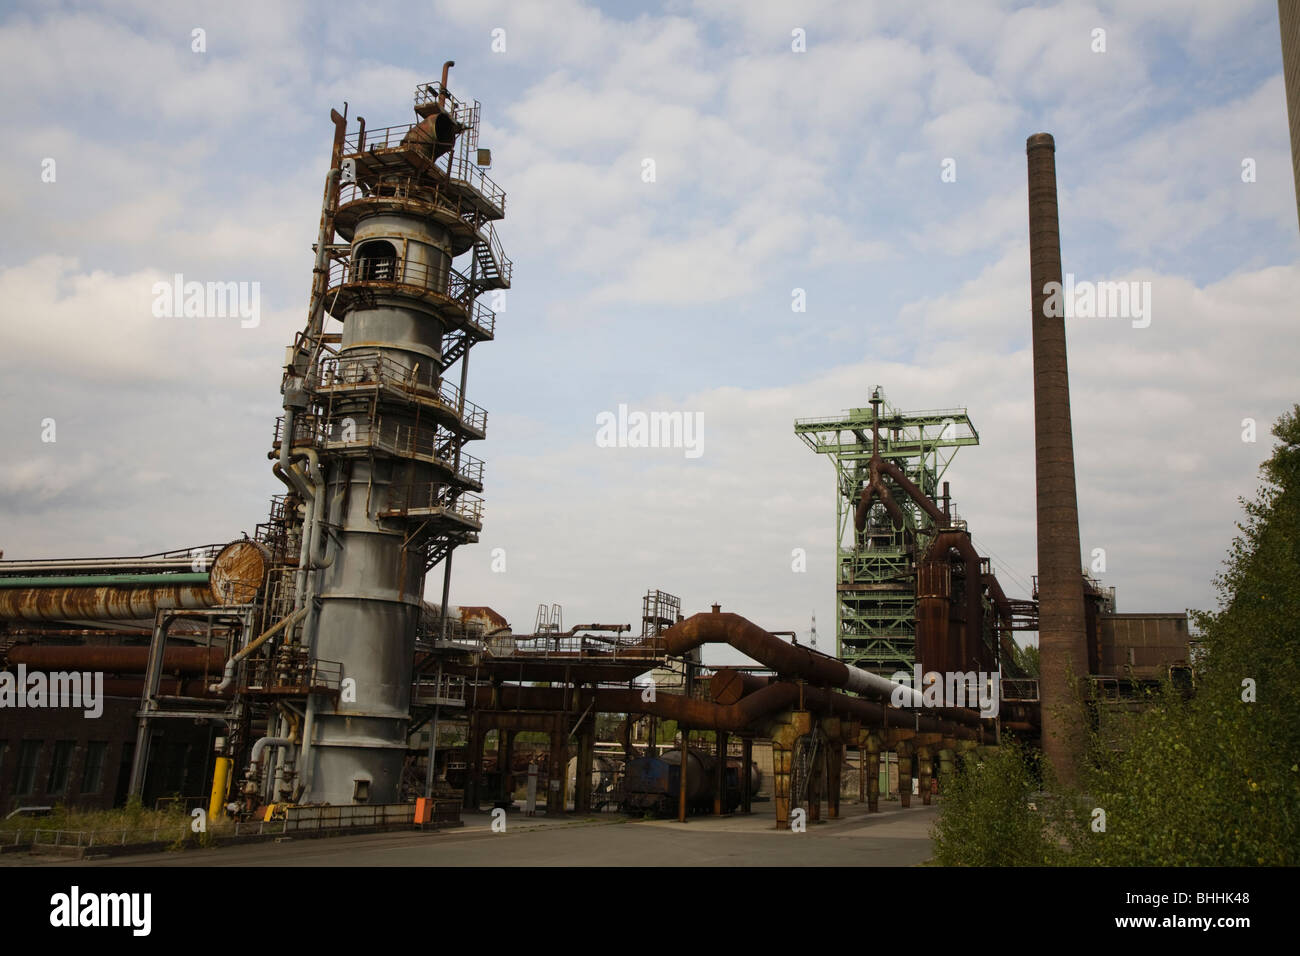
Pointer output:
1061, 628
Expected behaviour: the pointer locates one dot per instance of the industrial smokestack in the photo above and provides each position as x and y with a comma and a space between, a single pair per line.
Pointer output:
1061, 628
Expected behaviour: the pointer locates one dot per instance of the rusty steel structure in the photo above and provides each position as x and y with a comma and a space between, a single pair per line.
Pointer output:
810, 705
889, 469
911, 587
372, 442
1061, 614
307, 668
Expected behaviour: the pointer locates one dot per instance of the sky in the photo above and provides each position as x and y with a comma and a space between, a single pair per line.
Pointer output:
863, 159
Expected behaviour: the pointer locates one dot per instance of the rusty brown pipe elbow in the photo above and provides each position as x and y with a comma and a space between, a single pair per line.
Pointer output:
922, 500
442, 92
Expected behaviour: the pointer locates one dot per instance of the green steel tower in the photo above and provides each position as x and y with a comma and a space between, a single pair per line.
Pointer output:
875, 569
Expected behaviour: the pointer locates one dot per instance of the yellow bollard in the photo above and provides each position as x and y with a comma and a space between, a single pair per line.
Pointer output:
220, 782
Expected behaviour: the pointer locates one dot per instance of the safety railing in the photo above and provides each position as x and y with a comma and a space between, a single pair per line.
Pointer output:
497, 253
451, 689
429, 497
452, 201
381, 137
427, 93
460, 169
290, 670
360, 370
465, 170
1019, 688
445, 282
401, 439
397, 438
587, 646
127, 836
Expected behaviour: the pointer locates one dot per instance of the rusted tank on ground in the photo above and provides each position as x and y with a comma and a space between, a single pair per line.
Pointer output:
651, 784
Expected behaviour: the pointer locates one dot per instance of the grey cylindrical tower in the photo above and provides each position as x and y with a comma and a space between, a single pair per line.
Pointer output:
391, 424
1061, 628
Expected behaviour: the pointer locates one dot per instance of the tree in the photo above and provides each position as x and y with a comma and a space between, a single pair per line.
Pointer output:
1210, 780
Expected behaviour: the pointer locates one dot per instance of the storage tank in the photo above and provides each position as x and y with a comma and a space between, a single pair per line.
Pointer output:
604, 775
650, 783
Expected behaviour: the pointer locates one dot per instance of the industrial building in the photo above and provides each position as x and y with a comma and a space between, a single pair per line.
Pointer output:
304, 667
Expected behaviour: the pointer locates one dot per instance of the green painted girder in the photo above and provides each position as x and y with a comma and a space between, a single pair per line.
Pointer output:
878, 626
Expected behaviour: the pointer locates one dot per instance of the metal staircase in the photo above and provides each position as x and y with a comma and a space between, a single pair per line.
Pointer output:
805, 764
494, 268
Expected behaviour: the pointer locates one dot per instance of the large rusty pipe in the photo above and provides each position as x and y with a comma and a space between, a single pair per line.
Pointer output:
739, 716
190, 661
442, 87
960, 542
922, 500
687, 711
99, 604
788, 660
1061, 620
875, 487
233, 578
729, 685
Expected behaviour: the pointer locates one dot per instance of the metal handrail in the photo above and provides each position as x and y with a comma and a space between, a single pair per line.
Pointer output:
417, 191
397, 439
639, 648
497, 252
459, 169
446, 282
923, 413
372, 369
431, 495
431, 91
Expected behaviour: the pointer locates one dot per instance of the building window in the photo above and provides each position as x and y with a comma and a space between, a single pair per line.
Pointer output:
29, 752
60, 763
92, 778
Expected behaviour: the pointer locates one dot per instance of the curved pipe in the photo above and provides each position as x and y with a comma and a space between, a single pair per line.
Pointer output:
874, 487
442, 93
788, 660
228, 677
915, 493
687, 711
694, 713
255, 757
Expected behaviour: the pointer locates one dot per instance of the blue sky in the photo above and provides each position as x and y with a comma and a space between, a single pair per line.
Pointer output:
775, 170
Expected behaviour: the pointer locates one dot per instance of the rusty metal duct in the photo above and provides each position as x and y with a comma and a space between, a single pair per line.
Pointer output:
789, 660
189, 661
1061, 634
877, 469
233, 578
732, 717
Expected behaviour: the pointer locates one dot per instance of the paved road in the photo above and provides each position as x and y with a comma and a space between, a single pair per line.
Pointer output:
895, 837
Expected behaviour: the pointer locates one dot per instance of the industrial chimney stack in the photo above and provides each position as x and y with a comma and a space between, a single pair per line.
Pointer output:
1061, 626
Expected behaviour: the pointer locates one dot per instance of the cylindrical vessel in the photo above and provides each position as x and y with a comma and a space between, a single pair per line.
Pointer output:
234, 577
391, 453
